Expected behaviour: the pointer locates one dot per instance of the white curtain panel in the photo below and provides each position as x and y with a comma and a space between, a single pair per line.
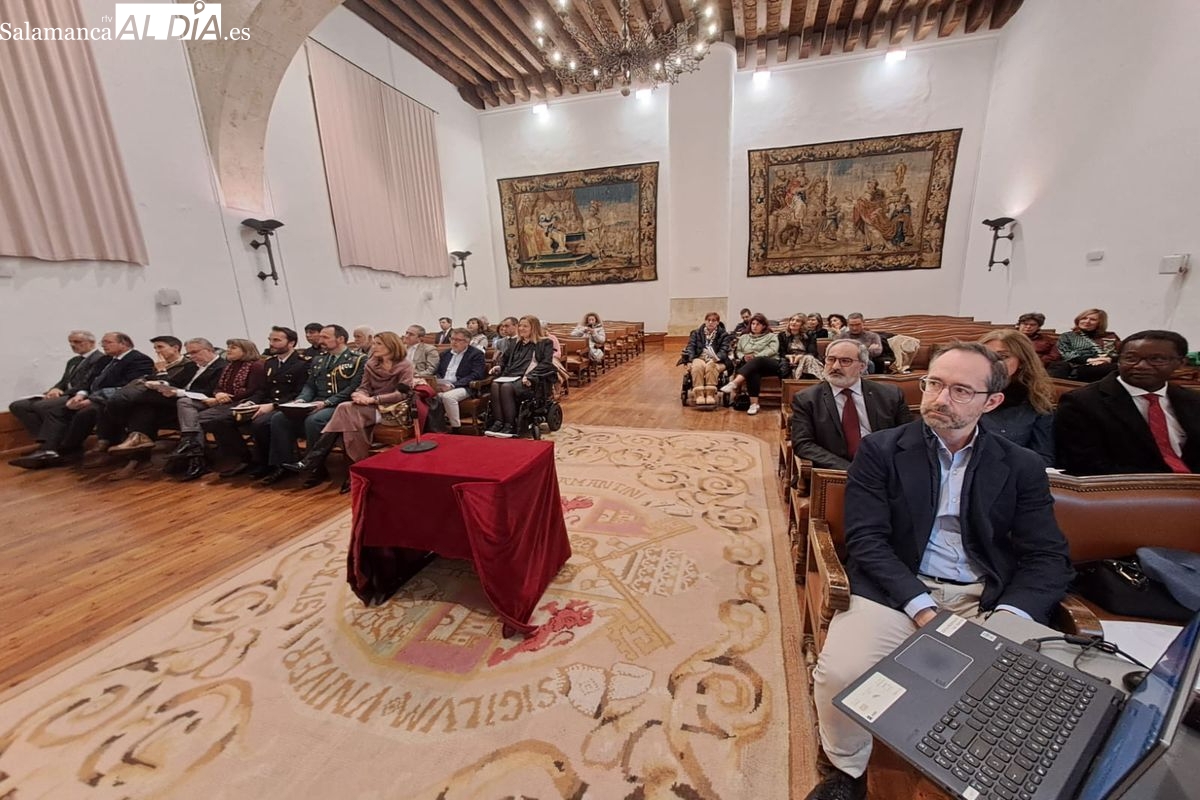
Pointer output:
381, 165
63, 191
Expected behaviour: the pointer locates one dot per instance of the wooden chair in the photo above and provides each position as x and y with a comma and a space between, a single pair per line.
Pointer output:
826, 587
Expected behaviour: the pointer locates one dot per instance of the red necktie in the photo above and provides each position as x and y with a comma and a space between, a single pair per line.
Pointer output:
850, 426
1158, 429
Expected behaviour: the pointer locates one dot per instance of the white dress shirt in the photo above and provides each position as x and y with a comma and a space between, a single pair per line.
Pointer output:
860, 405
1175, 430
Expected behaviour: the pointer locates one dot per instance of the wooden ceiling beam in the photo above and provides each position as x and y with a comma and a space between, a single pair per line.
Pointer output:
511, 84
880, 22
614, 13
927, 18
785, 24
489, 26
1004, 12
675, 9
831, 31
523, 14
902, 22
656, 14
739, 32
952, 13
465, 86
855, 26
977, 13
421, 22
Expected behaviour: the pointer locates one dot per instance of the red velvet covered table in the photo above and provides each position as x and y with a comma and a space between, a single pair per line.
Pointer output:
493, 502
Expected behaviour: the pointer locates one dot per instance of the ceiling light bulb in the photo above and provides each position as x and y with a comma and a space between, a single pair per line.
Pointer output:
895, 55
658, 66
557, 56
537, 24
541, 41
699, 47
712, 29
571, 65
708, 12
678, 60
539, 108
595, 72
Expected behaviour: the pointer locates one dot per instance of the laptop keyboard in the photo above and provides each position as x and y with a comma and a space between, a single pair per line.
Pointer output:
1003, 735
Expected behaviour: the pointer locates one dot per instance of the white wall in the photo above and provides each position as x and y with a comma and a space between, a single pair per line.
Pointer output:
1092, 143
200, 249
940, 86
936, 88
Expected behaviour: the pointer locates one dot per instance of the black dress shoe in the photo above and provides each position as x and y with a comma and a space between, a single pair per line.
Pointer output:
345, 486
31, 461
314, 478
274, 476
840, 786
259, 471
240, 469
196, 468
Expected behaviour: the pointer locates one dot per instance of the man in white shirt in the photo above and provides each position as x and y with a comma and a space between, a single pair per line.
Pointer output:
1132, 421
457, 368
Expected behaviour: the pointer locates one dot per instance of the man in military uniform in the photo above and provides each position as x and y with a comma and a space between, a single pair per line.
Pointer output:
287, 371
332, 378
312, 333
81, 368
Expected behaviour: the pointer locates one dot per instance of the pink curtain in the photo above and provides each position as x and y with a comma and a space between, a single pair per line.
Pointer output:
63, 192
381, 165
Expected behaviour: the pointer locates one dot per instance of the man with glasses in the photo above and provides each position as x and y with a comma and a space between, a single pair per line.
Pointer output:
1132, 421
424, 357
939, 514
457, 368
829, 420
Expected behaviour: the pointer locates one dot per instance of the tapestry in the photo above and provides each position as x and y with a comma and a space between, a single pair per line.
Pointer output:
666, 662
591, 226
864, 205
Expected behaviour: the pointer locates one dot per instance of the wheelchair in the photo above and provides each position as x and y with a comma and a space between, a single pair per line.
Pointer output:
540, 408
686, 389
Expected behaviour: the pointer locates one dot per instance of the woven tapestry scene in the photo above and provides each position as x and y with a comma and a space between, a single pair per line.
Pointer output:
584, 227
665, 662
854, 206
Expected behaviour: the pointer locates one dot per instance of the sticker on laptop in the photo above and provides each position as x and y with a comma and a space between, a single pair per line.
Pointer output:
875, 696
970, 793
952, 623
991, 637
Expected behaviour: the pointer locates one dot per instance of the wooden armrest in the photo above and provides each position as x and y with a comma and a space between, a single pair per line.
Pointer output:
480, 385
801, 473
822, 553
1074, 617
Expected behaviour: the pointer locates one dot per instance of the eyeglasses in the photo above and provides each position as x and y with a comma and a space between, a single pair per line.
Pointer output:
458, 339
1132, 360
841, 362
958, 392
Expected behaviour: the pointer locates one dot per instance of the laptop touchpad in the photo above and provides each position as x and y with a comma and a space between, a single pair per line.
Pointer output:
936, 661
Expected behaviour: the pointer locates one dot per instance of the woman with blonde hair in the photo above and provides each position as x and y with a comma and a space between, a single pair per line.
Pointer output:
1089, 350
387, 378
528, 360
243, 376
1026, 417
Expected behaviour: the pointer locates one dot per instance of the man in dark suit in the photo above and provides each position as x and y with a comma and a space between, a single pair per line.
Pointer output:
457, 368
287, 373
939, 514
80, 369
1133, 421
830, 419
66, 426
443, 335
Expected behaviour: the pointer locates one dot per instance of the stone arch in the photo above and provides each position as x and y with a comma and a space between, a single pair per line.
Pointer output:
236, 82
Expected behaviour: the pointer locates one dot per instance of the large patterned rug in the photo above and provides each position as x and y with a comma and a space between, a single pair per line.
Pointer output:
666, 664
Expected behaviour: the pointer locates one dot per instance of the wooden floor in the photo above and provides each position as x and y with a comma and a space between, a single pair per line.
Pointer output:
85, 556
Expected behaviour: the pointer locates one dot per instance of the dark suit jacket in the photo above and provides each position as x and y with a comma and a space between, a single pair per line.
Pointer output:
442, 337
206, 383
1098, 430
1008, 525
134, 364
284, 380
817, 428
72, 365
80, 371
471, 368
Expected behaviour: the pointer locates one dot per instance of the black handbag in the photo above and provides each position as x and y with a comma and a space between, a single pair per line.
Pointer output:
1119, 586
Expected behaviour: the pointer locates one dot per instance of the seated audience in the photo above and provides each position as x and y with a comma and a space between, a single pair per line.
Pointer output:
836, 323
530, 360
829, 420
443, 335
814, 328
78, 374
312, 334
244, 376
757, 357
423, 357
386, 378
856, 331
458, 368
742, 327
1087, 352
332, 377
362, 336
478, 333
171, 364
173, 367
1132, 421
506, 335
137, 411
707, 356
939, 514
795, 361
592, 329
285, 374
1031, 325
1026, 416
66, 425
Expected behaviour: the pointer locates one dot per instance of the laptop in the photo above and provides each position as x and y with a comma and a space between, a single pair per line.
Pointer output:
985, 717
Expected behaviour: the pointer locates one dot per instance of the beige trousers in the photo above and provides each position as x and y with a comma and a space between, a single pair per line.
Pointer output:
859, 637
704, 373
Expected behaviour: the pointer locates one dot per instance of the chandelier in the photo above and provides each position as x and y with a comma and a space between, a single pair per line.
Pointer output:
632, 56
